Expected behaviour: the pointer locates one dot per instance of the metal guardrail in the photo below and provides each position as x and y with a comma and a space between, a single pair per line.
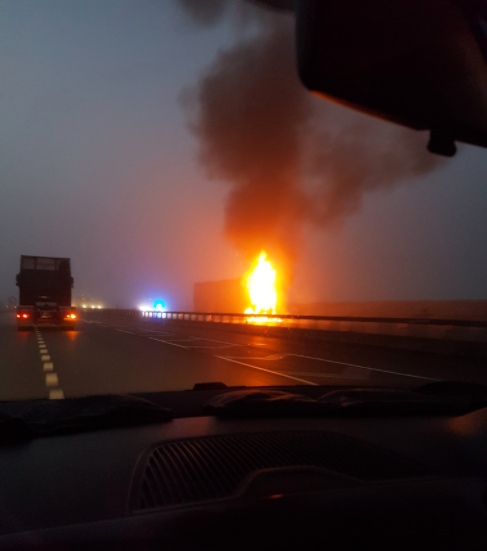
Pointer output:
243, 318
443, 329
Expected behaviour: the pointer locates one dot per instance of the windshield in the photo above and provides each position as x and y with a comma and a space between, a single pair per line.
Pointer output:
178, 209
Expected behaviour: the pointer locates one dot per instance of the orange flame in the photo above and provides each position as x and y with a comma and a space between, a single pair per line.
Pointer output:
261, 285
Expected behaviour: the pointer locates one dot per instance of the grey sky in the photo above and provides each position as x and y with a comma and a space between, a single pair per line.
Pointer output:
97, 163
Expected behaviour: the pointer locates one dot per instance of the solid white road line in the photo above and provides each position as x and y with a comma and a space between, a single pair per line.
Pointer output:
278, 356
213, 340
189, 338
364, 367
212, 347
179, 340
268, 371
167, 342
275, 357
164, 333
330, 375
271, 358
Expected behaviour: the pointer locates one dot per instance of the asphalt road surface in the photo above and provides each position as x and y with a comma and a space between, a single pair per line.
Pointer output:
107, 355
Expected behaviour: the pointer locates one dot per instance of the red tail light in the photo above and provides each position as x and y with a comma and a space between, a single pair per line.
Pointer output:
18, 315
25, 315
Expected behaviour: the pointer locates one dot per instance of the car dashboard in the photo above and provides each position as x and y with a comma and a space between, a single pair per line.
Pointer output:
197, 482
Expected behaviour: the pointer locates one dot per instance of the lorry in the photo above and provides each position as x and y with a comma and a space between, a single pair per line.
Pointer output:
45, 285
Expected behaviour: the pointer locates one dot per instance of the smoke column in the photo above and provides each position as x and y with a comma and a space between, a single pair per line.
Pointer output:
287, 158
204, 12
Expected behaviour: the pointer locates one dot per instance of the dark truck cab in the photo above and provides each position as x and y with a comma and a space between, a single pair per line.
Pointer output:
45, 285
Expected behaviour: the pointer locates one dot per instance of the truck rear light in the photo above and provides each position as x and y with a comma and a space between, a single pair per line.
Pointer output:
70, 317
18, 315
25, 315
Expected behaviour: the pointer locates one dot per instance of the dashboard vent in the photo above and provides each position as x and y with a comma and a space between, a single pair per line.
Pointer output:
198, 469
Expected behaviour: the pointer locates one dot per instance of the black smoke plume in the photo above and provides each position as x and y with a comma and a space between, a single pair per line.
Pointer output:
288, 158
204, 12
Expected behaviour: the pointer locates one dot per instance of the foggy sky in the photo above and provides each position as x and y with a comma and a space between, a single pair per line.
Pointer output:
97, 163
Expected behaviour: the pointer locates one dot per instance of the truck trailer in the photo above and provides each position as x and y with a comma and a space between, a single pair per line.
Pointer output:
45, 285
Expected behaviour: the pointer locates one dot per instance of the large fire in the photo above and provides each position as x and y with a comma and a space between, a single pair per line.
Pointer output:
261, 285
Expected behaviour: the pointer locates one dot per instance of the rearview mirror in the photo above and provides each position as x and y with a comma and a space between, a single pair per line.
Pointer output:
420, 63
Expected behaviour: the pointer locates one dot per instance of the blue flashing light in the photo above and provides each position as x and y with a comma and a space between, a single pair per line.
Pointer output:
159, 306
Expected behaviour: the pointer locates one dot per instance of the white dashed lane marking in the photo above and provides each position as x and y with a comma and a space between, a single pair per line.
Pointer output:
51, 378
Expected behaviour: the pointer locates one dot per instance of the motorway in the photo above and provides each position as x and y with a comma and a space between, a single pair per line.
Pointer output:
107, 355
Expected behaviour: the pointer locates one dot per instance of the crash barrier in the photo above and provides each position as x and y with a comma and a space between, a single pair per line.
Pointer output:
439, 329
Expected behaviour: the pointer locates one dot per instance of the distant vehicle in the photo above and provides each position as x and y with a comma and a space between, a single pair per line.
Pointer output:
45, 285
